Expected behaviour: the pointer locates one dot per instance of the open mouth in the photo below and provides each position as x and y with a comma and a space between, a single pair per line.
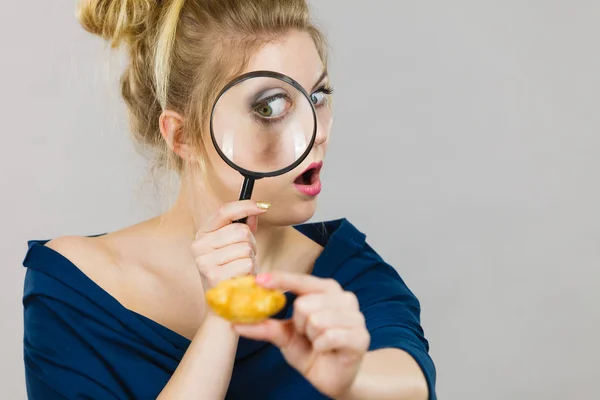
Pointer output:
310, 176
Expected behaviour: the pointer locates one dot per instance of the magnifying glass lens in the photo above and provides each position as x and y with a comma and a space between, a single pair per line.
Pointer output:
262, 125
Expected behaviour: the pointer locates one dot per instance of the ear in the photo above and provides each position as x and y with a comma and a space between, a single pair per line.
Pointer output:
171, 126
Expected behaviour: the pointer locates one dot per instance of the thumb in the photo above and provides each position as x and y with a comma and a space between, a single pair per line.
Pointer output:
252, 223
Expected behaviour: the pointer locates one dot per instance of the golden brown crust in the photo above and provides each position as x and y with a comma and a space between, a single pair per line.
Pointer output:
242, 300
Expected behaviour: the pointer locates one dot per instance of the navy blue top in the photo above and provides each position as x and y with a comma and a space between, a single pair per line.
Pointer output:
81, 343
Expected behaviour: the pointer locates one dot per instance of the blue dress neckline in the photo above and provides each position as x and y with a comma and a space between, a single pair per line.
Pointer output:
335, 237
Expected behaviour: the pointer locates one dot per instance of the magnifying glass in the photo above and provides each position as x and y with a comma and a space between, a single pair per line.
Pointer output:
263, 124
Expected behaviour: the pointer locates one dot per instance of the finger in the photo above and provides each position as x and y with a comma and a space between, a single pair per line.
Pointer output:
226, 255
231, 270
321, 321
340, 339
306, 305
234, 211
277, 332
298, 283
309, 304
230, 234
234, 234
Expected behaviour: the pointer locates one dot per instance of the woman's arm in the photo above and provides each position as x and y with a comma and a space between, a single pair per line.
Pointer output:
332, 323
388, 374
205, 370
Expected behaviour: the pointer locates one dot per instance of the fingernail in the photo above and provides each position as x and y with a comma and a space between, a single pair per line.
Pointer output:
263, 278
263, 205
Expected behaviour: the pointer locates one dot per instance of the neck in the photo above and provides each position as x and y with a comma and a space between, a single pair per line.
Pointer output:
187, 216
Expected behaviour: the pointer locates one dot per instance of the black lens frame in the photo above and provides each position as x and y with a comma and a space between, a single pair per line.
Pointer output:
266, 74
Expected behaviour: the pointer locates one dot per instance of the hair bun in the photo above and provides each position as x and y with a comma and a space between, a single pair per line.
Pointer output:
116, 20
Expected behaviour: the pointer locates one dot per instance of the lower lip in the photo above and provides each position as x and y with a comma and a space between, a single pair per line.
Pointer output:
311, 190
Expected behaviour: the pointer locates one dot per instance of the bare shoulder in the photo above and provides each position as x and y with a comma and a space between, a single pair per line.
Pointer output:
92, 256
79, 248
147, 272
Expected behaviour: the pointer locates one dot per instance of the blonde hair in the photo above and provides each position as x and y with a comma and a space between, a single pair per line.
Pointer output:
181, 52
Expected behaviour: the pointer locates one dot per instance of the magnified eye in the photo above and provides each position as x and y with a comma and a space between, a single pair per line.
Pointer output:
274, 107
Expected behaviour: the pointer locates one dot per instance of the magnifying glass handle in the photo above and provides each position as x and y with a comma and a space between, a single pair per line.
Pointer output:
246, 194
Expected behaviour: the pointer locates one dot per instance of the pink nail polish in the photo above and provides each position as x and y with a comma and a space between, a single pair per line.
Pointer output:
263, 278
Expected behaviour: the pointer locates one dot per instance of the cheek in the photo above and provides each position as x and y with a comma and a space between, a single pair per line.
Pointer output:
228, 177
271, 188
225, 180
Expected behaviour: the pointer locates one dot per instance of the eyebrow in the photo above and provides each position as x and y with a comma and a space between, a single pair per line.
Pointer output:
321, 78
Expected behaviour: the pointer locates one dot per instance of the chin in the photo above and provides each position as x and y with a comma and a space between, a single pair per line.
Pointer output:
296, 213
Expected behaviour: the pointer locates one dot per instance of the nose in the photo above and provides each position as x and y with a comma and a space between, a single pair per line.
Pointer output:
324, 126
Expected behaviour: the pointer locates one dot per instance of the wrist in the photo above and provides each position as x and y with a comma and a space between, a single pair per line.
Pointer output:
356, 391
212, 322
349, 394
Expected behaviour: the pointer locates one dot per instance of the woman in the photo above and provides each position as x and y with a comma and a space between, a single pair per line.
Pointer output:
123, 315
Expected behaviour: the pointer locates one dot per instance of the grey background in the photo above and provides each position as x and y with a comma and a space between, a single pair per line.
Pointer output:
466, 146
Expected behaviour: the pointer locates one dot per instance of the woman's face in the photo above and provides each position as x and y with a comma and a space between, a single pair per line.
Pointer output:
292, 195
